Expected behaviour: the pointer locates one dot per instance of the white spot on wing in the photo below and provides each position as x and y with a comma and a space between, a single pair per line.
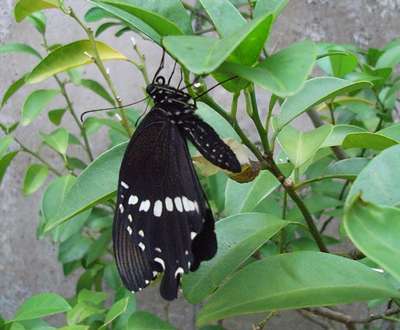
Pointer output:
160, 261
193, 235
155, 273
121, 208
147, 281
169, 205
133, 199
130, 218
196, 207
178, 204
158, 249
186, 205
129, 229
157, 210
123, 184
144, 206
141, 233
186, 252
178, 271
142, 246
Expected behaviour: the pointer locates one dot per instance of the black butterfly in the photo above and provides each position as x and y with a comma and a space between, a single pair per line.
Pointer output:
163, 222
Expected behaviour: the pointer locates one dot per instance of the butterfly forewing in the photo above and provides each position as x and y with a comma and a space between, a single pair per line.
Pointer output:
210, 145
162, 222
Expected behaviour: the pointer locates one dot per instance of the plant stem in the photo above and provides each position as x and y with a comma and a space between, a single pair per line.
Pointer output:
70, 108
100, 65
38, 157
256, 118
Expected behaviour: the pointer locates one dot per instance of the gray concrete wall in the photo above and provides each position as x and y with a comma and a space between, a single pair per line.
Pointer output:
28, 266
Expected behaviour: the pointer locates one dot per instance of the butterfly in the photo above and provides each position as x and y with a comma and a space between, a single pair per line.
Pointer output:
163, 222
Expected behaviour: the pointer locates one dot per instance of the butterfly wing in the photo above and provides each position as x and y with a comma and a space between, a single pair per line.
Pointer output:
210, 145
162, 222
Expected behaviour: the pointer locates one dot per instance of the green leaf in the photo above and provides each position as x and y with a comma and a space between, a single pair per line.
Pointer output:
5, 142
166, 17
96, 183
35, 177
74, 248
71, 56
104, 27
283, 73
392, 132
38, 19
52, 198
390, 58
379, 181
57, 140
14, 87
56, 115
19, 48
244, 197
239, 236
368, 140
81, 311
302, 146
295, 280
41, 305
269, 6
130, 20
339, 133
116, 310
225, 17
99, 247
367, 226
24, 8
75, 327
95, 14
204, 54
146, 321
93, 297
5, 161
346, 168
97, 88
35, 103
315, 91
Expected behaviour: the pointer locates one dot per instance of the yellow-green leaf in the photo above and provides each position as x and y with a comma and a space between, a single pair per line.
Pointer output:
25, 8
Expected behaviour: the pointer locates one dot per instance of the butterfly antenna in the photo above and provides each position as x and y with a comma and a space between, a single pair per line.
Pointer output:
181, 78
215, 86
195, 81
141, 116
172, 73
112, 108
161, 66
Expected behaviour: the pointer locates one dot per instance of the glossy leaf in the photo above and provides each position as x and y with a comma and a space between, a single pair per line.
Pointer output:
5, 142
204, 54
95, 14
282, 73
35, 177
35, 103
295, 280
38, 19
244, 197
367, 226
346, 168
390, 58
24, 8
97, 88
57, 140
379, 181
315, 91
302, 146
166, 17
52, 198
96, 183
269, 6
99, 247
116, 310
239, 236
71, 56
225, 17
130, 20
56, 115
146, 321
339, 133
19, 48
5, 161
74, 248
368, 140
14, 87
392, 132
41, 305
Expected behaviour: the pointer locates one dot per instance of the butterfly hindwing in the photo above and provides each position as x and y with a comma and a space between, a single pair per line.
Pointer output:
162, 218
210, 145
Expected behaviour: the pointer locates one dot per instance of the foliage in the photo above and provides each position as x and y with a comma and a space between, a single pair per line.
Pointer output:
274, 216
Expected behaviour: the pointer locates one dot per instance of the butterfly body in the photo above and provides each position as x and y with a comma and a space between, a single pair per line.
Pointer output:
163, 222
